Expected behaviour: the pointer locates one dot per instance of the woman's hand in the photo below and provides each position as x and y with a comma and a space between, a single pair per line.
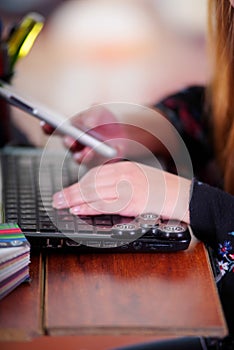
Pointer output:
127, 188
99, 122
135, 131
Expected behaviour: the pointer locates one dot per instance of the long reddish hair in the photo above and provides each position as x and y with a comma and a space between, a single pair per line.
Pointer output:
220, 93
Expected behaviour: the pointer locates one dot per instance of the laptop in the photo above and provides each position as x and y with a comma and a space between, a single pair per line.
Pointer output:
29, 178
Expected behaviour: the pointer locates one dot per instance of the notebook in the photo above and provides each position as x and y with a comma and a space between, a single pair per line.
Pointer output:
30, 176
14, 258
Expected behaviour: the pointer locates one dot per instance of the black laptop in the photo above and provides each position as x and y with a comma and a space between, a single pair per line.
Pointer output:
29, 178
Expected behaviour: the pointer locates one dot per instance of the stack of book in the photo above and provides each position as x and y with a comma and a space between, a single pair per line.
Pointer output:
14, 258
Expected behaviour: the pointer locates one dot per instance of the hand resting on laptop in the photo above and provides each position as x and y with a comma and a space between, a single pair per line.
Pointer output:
127, 188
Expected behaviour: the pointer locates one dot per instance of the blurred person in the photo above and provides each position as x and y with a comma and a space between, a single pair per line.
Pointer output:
204, 117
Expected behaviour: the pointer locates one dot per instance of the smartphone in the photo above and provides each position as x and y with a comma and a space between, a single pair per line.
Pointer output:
55, 120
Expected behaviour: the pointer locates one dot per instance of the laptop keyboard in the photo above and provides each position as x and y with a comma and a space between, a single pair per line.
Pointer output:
28, 184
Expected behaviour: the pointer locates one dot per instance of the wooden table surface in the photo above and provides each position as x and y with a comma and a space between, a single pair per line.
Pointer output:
112, 299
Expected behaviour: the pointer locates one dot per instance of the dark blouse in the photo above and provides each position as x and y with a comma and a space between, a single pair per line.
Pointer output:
211, 209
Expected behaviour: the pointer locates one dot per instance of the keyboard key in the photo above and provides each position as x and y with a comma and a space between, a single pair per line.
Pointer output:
47, 227
85, 228
29, 228
66, 226
104, 221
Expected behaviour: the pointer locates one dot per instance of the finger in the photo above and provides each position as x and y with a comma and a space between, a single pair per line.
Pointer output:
100, 182
104, 199
94, 185
75, 196
47, 128
93, 208
84, 156
62, 199
93, 117
116, 205
85, 209
72, 144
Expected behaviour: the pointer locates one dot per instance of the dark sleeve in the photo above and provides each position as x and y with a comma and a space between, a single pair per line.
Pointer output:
211, 214
212, 221
185, 110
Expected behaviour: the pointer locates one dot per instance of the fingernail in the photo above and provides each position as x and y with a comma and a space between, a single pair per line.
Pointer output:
75, 210
68, 141
59, 204
77, 156
58, 196
59, 201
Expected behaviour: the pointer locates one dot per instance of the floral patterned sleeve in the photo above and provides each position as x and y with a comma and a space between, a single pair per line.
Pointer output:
212, 221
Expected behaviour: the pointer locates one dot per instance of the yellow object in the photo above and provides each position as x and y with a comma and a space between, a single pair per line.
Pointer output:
22, 38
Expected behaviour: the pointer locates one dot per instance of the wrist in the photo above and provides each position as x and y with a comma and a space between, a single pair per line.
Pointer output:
177, 198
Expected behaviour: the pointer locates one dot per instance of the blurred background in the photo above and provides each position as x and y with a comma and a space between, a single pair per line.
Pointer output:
95, 51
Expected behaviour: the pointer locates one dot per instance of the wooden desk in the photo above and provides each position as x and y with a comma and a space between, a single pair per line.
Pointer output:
111, 300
